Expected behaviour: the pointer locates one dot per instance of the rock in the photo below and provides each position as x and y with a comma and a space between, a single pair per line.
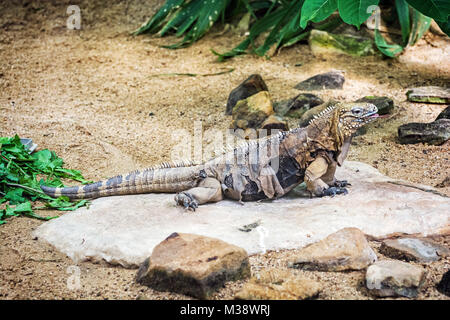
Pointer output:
394, 278
444, 183
274, 124
309, 115
275, 284
346, 249
445, 114
252, 112
431, 94
329, 80
298, 105
249, 87
444, 285
193, 265
385, 105
413, 249
322, 42
124, 229
435, 133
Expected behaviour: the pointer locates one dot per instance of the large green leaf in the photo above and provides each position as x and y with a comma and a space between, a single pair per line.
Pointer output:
403, 17
390, 50
439, 10
420, 25
316, 10
355, 12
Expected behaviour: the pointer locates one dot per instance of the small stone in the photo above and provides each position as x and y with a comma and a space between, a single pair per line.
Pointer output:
413, 249
431, 94
444, 114
298, 105
435, 133
249, 87
309, 115
444, 183
322, 42
444, 285
346, 249
275, 284
252, 112
385, 105
274, 124
193, 265
394, 278
329, 80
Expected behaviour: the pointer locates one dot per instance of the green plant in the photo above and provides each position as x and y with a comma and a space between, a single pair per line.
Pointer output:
285, 22
22, 174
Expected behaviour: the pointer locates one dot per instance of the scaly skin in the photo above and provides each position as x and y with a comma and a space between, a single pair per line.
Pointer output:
283, 161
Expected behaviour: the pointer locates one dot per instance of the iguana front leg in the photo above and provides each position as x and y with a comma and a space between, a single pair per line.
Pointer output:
330, 179
316, 170
208, 190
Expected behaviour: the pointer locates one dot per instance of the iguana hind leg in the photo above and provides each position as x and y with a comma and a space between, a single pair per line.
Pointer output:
318, 170
208, 190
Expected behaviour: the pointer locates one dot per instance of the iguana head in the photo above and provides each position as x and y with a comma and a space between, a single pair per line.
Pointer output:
353, 116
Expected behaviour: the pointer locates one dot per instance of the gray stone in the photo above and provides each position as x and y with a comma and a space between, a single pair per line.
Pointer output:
394, 278
385, 105
435, 133
247, 88
431, 94
445, 114
444, 285
298, 105
346, 249
329, 80
125, 229
250, 113
413, 249
322, 42
194, 265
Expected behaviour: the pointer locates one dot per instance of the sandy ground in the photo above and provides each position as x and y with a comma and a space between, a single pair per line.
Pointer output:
93, 97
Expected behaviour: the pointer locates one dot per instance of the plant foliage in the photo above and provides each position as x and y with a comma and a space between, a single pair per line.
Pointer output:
22, 174
285, 22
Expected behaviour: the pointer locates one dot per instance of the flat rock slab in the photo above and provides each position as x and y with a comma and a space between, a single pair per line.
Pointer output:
329, 80
436, 132
125, 229
431, 94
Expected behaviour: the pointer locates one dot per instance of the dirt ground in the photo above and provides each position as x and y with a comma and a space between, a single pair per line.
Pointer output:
92, 96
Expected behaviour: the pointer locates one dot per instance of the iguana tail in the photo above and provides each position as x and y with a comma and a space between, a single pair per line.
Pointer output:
164, 178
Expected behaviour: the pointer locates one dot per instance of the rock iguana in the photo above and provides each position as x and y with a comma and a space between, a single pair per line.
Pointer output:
266, 168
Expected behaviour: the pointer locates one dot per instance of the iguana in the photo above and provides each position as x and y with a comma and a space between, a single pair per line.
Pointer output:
266, 168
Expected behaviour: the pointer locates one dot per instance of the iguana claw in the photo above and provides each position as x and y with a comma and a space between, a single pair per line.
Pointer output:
332, 191
185, 200
341, 183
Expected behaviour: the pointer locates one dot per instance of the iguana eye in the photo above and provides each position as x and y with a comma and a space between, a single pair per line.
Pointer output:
356, 111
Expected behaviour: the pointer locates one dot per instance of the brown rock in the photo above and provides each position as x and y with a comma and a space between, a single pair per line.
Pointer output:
346, 249
413, 249
394, 278
275, 284
274, 124
249, 87
194, 265
252, 112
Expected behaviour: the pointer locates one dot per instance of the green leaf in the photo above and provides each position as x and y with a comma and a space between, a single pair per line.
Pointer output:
403, 17
355, 12
439, 10
420, 25
316, 10
154, 23
390, 50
